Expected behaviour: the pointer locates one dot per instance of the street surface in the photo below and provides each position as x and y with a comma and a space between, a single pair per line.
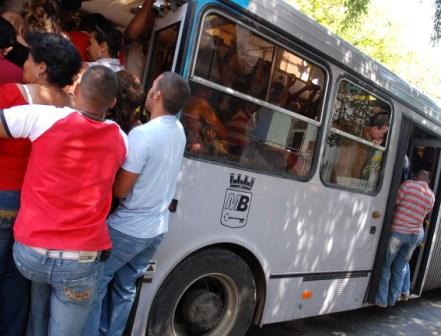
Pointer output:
416, 317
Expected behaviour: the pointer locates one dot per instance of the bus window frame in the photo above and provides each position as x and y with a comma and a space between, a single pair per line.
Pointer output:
267, 32
379, 95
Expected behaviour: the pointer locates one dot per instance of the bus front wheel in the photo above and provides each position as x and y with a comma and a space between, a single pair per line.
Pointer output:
211, 293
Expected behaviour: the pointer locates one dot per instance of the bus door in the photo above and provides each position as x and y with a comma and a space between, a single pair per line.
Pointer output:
424, 153
403, 146
164, 46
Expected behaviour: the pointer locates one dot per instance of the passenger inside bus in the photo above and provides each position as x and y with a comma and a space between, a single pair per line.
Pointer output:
203, 127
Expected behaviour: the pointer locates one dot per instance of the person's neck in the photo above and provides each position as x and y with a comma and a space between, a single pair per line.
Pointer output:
89, 111
158, 113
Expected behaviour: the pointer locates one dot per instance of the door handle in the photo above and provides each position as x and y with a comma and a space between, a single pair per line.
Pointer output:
376, 214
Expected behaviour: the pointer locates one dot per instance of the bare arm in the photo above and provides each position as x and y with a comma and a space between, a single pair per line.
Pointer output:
3, 133
124, 182
142, 21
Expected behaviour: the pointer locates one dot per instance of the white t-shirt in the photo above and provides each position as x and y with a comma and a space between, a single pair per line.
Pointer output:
155, 152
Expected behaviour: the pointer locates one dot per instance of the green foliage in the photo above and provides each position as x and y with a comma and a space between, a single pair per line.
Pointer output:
436, 35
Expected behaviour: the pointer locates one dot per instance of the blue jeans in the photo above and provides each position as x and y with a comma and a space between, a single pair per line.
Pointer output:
399, 252
62, 292
127, 262
405, 289
14, 288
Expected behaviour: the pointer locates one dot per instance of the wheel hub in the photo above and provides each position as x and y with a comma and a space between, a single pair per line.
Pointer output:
202, 309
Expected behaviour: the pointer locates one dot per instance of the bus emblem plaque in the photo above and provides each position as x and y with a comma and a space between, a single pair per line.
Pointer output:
237, 201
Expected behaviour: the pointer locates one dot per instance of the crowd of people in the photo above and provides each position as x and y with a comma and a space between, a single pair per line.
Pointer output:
71, 142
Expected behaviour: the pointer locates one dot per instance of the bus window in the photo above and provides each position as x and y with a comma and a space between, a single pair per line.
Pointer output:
302, 82
233, 56
163, 51
275, 129
228, 129
357, 139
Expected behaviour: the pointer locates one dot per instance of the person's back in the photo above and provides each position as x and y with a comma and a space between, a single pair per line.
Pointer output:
414, 202
67, 186
146, 206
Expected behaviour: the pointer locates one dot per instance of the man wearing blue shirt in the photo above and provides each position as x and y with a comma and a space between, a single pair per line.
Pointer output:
146, 185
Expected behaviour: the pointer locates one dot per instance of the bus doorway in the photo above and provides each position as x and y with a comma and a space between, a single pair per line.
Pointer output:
424, 153
422, 149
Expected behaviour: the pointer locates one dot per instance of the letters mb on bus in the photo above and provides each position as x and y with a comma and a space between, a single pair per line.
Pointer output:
237, 201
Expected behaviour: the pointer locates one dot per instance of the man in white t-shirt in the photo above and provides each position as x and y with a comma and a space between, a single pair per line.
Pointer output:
146, 185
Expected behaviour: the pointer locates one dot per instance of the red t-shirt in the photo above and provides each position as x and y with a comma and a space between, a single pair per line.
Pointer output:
67, 188
14, 153
10, 72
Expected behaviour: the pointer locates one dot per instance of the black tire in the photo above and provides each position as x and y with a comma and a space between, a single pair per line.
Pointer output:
211, 293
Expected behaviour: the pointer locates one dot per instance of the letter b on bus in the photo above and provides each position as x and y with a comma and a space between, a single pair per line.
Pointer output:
236, 208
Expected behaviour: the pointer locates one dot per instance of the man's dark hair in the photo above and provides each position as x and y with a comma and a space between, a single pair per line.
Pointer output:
109, 34
175, 92
380, 120
88, 22
99, 85
7, 34
60, 56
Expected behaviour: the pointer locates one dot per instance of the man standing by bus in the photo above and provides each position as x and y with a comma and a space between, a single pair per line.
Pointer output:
146, 184
414, 201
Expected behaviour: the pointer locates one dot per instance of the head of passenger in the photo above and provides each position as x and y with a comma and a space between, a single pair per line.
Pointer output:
41, 16
379, 128
52, 60
105, 41
129, 98
168, 95
422, 175
97, 90
7, 36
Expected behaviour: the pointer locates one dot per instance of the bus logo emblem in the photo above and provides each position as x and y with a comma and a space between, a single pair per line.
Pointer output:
237, 201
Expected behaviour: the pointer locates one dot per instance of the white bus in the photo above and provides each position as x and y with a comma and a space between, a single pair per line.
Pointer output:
285, 196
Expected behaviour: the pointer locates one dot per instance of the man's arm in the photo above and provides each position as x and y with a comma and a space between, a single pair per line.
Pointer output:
124, 182
142, 21
3, 133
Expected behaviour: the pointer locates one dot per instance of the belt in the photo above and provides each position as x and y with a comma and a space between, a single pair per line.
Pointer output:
80, 256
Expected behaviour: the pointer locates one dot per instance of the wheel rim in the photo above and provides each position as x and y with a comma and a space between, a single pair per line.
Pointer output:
208, 306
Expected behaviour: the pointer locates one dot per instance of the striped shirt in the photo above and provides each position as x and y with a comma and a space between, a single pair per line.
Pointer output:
414, 201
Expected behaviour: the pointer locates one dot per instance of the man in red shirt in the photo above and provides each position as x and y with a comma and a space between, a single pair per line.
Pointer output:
10, 73
60, 230
414, 202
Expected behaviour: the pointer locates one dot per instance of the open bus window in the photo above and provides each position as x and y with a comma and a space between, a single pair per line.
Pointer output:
228, 129
163, 51
299, 83
234, 56
356, 143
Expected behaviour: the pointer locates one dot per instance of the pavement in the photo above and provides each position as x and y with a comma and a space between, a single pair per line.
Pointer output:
416, 317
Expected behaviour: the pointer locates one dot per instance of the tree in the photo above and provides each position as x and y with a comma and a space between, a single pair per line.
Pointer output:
374, 27
436, 36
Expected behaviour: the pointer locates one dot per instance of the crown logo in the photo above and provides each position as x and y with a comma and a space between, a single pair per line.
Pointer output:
241, 182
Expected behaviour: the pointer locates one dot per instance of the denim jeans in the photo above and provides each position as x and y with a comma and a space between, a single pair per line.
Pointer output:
399, 252
127, 262
62, 292
405, 289
14, 288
